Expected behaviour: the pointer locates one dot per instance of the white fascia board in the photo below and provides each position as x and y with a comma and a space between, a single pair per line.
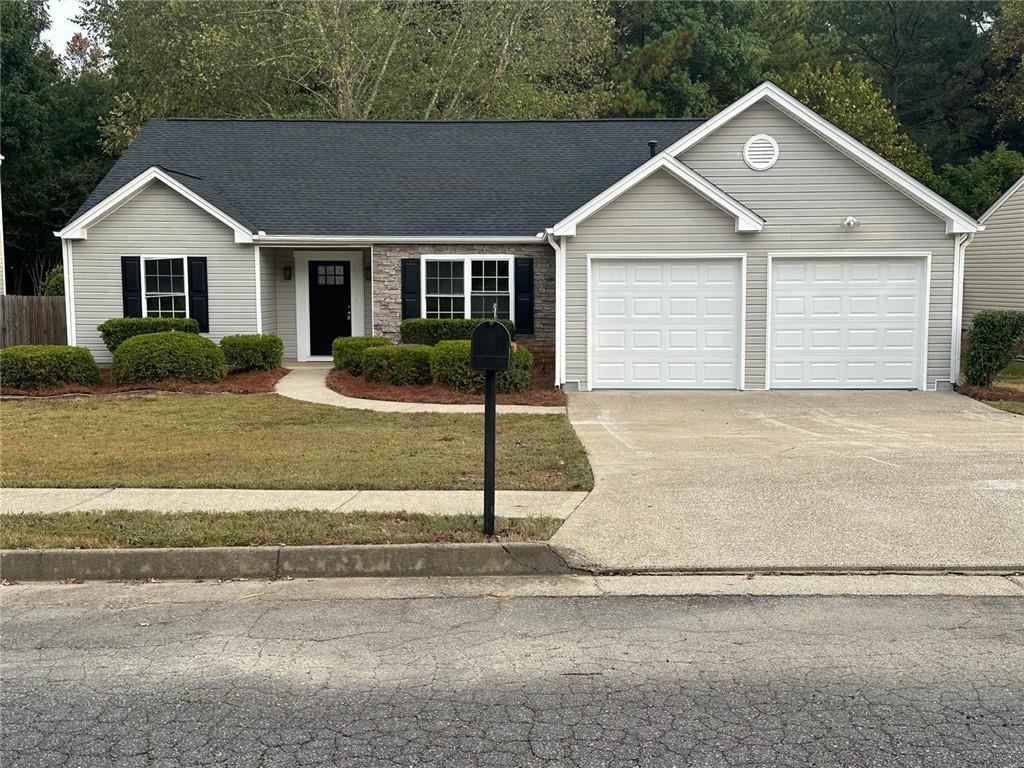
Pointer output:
299, 240
956, 220
79, 228
746, 219
1014, 188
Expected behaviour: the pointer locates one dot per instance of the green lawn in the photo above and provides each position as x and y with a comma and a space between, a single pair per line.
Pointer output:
116, 529
267, 441
1013, 376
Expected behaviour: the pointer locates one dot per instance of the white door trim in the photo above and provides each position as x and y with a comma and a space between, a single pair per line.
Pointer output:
663, 255
302, 259
876, 254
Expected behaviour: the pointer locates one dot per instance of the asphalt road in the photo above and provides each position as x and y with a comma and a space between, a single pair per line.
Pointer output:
211, 675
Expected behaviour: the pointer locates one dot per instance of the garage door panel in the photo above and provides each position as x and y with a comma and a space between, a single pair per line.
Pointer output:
847, 323
679, 328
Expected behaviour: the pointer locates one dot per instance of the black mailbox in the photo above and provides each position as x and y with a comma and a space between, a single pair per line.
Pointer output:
490, 348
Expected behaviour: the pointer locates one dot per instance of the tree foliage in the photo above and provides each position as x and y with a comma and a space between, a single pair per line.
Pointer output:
853, 103
49, 133
680, 59
449, 59
927, 56
975, 185
1006, 93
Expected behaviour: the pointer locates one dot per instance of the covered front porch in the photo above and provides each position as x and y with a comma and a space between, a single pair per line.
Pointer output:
310, 295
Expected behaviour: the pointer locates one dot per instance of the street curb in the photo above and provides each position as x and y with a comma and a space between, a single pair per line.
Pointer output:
390, 560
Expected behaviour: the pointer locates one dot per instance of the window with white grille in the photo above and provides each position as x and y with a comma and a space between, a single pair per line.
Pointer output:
761, 152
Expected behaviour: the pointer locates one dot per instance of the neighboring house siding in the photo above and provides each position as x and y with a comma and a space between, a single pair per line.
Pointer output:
159, 221
804, 198
387, 286
994, 266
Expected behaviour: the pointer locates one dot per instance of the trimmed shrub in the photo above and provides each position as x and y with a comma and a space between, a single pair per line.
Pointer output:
449, 366
168, 355
992, 339
34, 366
398, 364
252, 352
115, 330
420, 330
348, 351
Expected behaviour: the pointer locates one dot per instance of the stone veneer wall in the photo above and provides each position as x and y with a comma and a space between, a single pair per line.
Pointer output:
387, 286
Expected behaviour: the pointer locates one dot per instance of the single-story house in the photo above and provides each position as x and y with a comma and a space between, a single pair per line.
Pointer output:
763, 248
994, 267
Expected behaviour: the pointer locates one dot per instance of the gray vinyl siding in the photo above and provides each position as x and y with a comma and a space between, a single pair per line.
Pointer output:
268, 291
285, 299
803, 198
159, 221
994, 265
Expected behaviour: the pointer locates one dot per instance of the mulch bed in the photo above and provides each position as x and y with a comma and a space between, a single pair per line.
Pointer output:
345, 383
242, 383
993, 394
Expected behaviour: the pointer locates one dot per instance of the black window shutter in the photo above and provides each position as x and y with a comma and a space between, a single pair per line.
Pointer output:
131, 286
524, 296
410, 288
198, 296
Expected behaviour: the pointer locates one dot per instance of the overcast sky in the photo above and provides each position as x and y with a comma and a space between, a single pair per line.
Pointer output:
61, 27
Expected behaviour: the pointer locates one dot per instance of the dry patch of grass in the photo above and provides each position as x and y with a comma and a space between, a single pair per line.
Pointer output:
1007, 405
267, 441
122, 529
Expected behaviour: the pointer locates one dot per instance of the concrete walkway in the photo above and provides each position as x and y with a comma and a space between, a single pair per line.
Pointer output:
309, 383
559, 504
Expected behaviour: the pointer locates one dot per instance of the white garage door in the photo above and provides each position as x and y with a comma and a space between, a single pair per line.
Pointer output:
847, 323
665, 323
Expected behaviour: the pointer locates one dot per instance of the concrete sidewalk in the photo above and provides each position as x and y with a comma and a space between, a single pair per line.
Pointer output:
559, 504
309, 384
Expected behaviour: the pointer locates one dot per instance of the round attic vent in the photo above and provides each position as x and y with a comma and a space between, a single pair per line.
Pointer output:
761, 152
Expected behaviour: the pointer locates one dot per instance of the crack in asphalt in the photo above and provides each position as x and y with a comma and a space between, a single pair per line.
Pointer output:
477, 682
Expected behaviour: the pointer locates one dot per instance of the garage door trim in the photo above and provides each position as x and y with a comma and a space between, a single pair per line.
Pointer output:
668, 256
926, 256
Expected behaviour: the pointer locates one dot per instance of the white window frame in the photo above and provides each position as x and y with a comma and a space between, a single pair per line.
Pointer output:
467, 260
159, 257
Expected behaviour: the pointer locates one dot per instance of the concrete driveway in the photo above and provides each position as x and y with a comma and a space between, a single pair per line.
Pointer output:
801, 480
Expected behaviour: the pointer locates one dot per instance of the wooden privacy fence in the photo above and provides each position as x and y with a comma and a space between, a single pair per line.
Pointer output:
32, 320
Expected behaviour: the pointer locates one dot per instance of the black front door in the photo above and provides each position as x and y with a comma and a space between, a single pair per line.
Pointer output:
330, 304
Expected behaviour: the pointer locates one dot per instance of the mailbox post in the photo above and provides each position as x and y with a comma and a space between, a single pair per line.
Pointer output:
490, 351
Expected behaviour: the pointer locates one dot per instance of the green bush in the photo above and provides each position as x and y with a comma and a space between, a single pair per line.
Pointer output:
253, 352
348, 351
46, 365
53, 283
429, 331
991, 339
398, 364
115, 330
449, 366
168, 355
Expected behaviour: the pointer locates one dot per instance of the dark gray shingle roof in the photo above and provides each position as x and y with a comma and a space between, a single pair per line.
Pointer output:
401, 178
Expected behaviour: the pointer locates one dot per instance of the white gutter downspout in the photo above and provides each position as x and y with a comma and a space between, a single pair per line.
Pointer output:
959, 258
558, 246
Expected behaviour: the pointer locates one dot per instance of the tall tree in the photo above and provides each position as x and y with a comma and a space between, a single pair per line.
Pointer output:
333, 58
854, 103
928, 57
1006, 94
49, 114
678, 59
